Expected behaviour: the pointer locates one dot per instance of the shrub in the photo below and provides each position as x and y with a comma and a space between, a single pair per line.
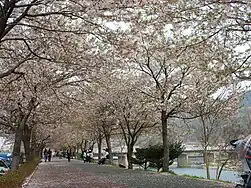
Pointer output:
15, 179
152, 156
79, 156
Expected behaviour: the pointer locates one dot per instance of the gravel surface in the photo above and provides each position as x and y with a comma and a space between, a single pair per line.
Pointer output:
76, 174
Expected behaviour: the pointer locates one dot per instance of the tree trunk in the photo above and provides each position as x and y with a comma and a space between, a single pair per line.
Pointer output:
81, 145
221, 169
40, 149
206, 161
218, 165
16, 148
85, 145
99, 146
34, 146
77, 148
73, 150
145, 165
37, 152
205, 142
165, 142
19, 135
109, 147
27, 143
40, 153
27, 149
129, 155
158, 168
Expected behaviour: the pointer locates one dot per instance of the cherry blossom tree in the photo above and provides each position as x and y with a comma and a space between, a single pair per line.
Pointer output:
220, 27
134, 113
213, 107
116, 66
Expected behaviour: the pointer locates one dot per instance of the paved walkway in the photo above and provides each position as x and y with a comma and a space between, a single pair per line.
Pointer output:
76, 174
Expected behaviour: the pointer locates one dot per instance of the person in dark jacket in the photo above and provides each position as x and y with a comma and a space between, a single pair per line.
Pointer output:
45, 155
49, 155
69, 155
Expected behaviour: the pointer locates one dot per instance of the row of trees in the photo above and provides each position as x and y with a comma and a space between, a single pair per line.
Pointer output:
99, 69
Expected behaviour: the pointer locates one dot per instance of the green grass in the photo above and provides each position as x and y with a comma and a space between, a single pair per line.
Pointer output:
199, 177
15, 179
190, 176
172, 172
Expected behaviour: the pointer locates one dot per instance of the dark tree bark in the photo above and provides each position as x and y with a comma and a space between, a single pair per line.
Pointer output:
221, 168
129, 155
18, 141
16, 148
27, 143
27, 149
99, 146
109, 147
35, 147
165, 141
107, 134
85, 145
205, 143
19, 134
206, 161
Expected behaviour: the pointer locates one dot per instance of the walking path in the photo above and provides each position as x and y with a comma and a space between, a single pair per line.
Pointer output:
76, 174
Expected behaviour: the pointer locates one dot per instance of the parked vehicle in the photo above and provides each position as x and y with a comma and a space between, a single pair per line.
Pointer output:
6, 155
4, 167
7, 161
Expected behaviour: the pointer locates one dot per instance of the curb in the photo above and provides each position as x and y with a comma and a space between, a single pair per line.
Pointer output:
28, 179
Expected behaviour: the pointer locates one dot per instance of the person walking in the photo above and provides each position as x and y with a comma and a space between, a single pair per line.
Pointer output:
69, 155
45, 155
105, 155
91, 156
49, 155
84, 155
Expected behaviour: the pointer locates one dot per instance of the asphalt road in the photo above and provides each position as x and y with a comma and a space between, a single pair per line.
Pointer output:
76, 174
